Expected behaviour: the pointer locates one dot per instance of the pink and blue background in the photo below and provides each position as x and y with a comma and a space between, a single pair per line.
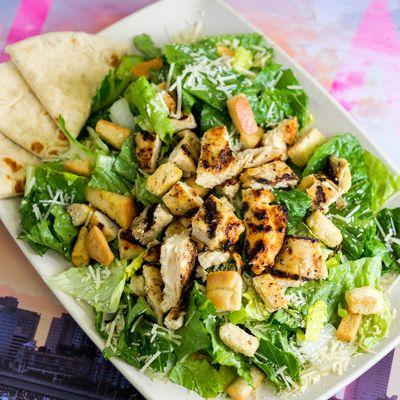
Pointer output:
351, 47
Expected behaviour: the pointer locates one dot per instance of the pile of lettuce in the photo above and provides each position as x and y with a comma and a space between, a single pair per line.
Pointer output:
194, 356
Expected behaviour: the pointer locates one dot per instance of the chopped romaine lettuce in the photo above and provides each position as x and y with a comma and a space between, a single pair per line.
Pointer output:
145, 44
152, 109
316, 319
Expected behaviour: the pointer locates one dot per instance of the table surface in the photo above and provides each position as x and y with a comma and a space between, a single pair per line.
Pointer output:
352, 48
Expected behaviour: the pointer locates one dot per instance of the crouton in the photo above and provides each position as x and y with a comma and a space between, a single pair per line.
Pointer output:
348, 327
239, 389
217, 161
144, 68
128, 248
78, 167
339, 172
301, 257
177, 258
270, 292
149, 224
199, 190
324, 229
122, 209
186, 121
216, 224
181, 198
224, 290
80, 213
153, 288
225, 51
80, 255
174, 319
114, 134
305, 146
243, 118
137, 285
365, 300
98, 248
238, 340
105, 224
163, 178
276, 174
147, 150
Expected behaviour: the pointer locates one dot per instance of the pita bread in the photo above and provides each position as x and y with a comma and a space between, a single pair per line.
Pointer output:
24, 120
64, 69
13, 162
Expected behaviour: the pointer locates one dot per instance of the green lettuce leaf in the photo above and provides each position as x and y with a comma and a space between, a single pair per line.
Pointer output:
315, 320
125, 163
142, 195
199, 375
145, 44
127, 62
153, 111
383, 183
98, 286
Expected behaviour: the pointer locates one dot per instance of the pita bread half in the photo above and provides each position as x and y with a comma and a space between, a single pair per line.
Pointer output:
13, 162
64, 70
24, 120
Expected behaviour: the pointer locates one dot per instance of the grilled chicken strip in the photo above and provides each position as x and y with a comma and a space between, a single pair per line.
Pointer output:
153, 284
217, 161
216, 224
265, 228
302, 257
275, 174
147, 150
178, 255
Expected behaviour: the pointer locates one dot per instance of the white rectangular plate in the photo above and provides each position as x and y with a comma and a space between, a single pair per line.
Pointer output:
161, 20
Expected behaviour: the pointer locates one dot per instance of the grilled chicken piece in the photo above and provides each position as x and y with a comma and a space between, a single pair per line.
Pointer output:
224, 290
80, 213
186, 121
324, 229
275, 174
178, 255
288, 129
242, 117
262, 155
152, 255
270, 291
348, 327
147, 150
339, 172
229, 188
365, 300
305, 146
137, 285
153, 286
149, 224
98, 248
239, 389
105, 224
128, 247
163, 178
265, 228
301, 257
217, 161
186, 153
238, 340
322, 191
216, 224
175, 227
285, 282
169, 101
174, 319
122, 209
80, 255
181, 198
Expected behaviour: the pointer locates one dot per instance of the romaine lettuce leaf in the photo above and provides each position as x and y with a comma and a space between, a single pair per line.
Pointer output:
98, 286
153, 111
125, 163
383, 183
316, 319
198, 374
144, 43
141, 194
